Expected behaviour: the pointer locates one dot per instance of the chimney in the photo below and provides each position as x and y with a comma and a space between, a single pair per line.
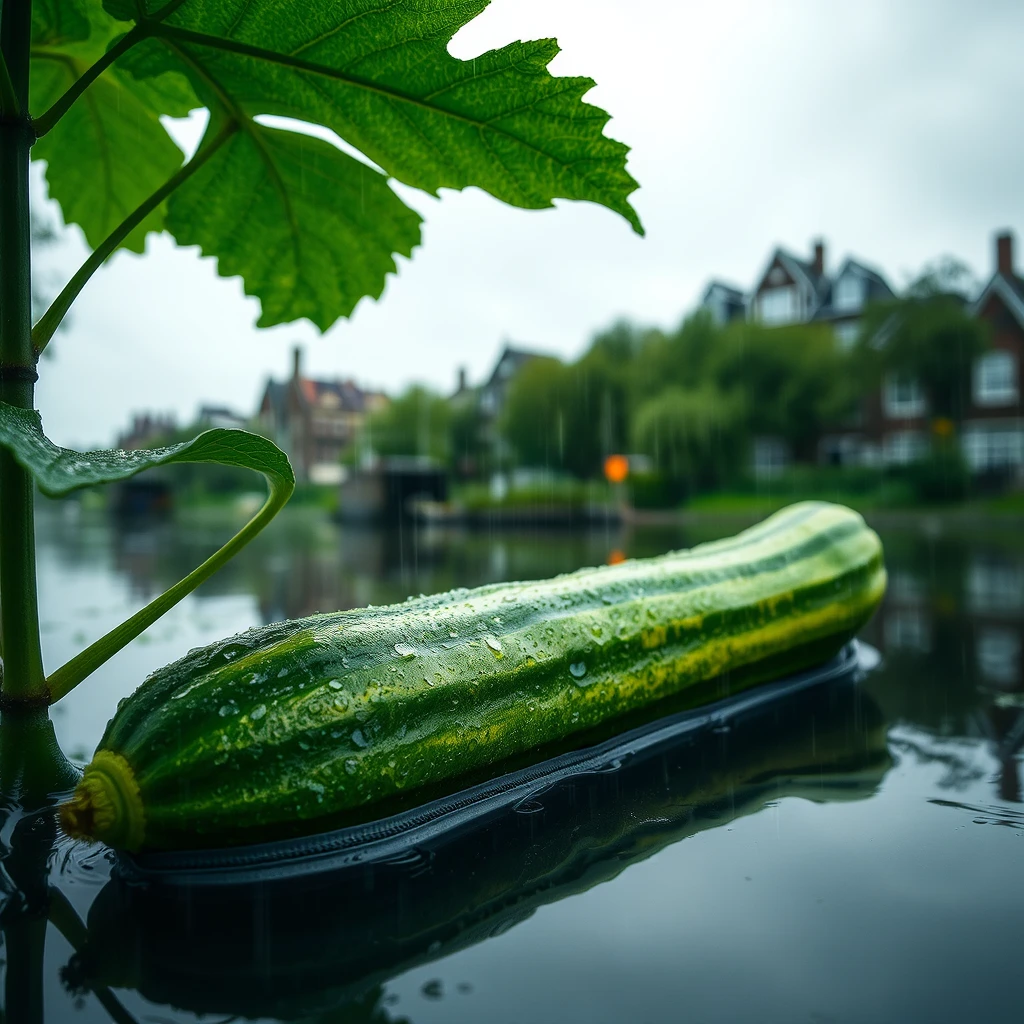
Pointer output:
819, 257
462, 379
296, 362
1004, 253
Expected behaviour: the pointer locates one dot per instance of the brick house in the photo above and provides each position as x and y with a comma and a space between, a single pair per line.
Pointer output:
897, 420
993, 426
313, 421
893, 427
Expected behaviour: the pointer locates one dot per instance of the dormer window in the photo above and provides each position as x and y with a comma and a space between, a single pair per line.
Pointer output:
849, 293
778, 305
995, 379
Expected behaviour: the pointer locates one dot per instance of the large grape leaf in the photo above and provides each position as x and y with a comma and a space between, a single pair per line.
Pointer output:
310, 229
378, 74
109, 151
58, 471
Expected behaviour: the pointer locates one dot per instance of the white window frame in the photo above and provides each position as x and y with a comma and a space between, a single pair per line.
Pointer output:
903, 397
849, 293
995, 379
902, 447
778, 305
993, 447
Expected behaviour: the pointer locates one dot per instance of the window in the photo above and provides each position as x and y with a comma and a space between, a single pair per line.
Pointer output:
993, 447
995, 379
846, 334
849, 293
903, 397
778, 305
903, 447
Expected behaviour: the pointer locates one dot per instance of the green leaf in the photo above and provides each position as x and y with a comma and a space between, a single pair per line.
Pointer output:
109, 152
58, 471
60, 21
308, 228
381, 77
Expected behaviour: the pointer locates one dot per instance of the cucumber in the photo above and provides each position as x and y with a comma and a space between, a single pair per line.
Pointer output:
299, 726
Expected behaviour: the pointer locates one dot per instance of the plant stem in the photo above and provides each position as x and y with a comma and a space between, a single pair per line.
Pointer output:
9, 105
50, 320
19, 613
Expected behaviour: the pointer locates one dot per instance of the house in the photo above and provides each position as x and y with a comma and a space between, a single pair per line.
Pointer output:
993, 425
494, 392
792, 290
146, 430
897, 426
724, 302
220, 416
313, 421
488, 400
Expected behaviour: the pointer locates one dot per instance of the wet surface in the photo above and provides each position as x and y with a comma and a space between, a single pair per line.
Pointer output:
852, 855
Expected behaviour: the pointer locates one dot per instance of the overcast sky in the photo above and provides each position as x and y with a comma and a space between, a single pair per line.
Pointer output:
889, 127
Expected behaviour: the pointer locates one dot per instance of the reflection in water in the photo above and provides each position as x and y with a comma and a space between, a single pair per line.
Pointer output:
291, 946
950, 692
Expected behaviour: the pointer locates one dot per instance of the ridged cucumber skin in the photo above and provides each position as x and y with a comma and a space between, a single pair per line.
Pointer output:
281, 729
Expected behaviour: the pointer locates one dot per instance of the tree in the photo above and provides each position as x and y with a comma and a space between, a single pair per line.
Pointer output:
416, 423
536, 420
927, 336
793, 381
693, 435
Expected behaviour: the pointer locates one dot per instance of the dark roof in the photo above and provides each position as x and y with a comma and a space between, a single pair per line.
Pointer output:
732, 293
276, 396
878, 289
1010, 288
340, 394
519, 357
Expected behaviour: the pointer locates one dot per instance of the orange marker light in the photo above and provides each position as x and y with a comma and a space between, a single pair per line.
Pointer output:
616, 468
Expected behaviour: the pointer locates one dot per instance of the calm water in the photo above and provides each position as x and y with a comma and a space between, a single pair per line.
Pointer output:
855, 855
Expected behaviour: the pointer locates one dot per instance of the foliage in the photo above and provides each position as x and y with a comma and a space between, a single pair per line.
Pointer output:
929, 336
568, 417
310, 228
692, 434
416, 423
941, 476
791, 381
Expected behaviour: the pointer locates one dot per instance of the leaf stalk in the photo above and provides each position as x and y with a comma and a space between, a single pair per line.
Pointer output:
68, 676
46, 121
48, 323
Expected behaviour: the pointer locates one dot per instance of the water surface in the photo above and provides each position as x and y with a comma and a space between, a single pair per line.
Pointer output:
858, 859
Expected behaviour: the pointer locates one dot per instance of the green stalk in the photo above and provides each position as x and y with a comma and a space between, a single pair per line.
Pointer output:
69, 675
9, 105
23, 680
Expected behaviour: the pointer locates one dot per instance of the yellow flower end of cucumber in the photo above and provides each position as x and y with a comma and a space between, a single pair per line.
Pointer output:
106, 805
